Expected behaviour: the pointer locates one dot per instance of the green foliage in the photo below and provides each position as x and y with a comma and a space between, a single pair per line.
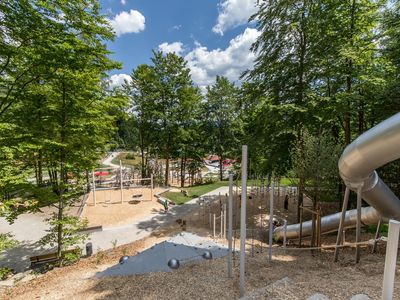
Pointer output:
5, 273
56, 112
7, 242
71, 234
221, 126
383, 230
315, 158
130, 156
193, 192
164, 109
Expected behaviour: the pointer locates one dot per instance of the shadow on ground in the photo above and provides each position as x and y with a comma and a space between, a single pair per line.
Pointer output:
18, 257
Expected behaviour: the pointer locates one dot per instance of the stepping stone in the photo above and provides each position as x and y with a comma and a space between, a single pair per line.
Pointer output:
360, 297
262, 292
318, 296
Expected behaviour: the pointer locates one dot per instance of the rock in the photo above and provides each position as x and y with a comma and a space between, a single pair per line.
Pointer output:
360, 297
318, 296
7, 282
262, 292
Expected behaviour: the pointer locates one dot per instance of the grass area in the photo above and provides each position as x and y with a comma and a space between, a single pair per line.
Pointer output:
128, 159
199, 190
193, 192
285, 181
383, 229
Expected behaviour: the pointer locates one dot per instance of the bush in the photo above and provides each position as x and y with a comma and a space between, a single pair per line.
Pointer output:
5, 273
130, 156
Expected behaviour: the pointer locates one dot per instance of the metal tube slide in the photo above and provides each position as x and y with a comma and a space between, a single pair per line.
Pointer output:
371, 150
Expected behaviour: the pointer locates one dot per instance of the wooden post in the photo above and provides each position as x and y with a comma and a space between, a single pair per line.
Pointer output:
224, 220
94, 188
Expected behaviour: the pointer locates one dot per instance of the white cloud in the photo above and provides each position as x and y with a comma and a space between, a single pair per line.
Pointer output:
128, 22
234, 13
119, 79
123, 2
206, 64
176, 47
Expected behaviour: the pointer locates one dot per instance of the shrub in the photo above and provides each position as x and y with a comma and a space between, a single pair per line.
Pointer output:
5, 273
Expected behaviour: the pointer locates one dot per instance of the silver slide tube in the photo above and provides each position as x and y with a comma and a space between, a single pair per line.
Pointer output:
371, 150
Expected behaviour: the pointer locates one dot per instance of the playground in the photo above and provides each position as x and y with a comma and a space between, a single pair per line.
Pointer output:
137, 203
291, 275
264, 252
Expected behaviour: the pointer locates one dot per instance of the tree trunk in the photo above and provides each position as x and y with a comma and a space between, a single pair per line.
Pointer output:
40, 168
220, 168
166, 171
361, 118
183, 170
349, 79
143, 166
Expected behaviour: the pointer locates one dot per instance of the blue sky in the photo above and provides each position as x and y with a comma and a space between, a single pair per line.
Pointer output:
213, 36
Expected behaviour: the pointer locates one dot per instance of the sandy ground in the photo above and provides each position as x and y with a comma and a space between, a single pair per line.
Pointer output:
309, 273
208, 280
110, 212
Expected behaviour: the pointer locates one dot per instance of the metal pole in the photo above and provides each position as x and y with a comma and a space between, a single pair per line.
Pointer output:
230, 216
221, 227
214, 224
121, 180
243, 220
390, 260
271, 221
151, 187
284, 233
358, 230
376, 236
341, 224
94, 188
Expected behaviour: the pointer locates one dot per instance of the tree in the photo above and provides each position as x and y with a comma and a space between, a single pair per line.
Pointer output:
285, 61
65, 116
222, 124
141, 92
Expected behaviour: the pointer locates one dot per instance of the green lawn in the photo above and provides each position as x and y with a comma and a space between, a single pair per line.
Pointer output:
193, 192
126, 161
199, 190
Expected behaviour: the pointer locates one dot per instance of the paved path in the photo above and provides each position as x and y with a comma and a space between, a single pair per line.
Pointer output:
29, 228
108, 160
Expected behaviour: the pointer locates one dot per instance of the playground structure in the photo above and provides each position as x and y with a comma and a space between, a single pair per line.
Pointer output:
104, 179
369, 151
374, 148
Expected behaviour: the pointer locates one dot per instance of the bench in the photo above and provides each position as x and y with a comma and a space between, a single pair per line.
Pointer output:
49, 257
